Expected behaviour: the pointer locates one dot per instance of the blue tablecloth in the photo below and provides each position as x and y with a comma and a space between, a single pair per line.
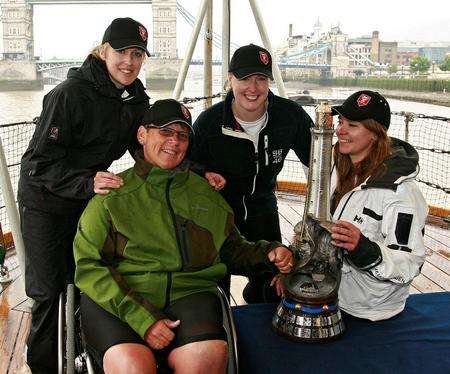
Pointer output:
416, 341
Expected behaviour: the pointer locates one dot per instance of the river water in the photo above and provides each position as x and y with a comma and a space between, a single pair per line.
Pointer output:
25, 105
21, 106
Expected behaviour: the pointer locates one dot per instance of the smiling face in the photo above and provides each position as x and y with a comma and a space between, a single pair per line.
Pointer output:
162, 148
123, 66
250, 95
354, 139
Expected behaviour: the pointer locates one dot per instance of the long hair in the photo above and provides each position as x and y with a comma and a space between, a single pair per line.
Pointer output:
350, 175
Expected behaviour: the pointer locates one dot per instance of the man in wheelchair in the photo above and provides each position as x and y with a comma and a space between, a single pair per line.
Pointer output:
149, 255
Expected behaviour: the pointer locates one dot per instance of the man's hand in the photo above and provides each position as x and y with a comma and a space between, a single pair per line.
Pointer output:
160, 334
215, 180
104, 181
278, 283
282, 259
345, 235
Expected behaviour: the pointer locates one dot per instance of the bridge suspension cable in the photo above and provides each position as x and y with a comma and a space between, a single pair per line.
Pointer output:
190, 19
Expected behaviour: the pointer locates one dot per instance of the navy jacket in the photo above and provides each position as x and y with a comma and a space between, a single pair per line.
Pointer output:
222, 147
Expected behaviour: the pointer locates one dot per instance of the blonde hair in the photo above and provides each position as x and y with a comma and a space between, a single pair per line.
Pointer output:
99, 51
350, 175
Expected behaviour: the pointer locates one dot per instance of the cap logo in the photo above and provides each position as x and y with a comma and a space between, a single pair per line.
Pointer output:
363, 100
264, 57
185, 112
143, 33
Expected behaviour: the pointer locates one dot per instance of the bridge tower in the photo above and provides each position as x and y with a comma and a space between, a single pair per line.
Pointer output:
18, 68
162, 68
165, 28
339, 58
17, 19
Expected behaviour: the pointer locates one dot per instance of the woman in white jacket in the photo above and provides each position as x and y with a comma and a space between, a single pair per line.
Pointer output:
378, 211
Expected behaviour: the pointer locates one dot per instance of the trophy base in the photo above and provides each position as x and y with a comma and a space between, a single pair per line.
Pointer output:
308, 323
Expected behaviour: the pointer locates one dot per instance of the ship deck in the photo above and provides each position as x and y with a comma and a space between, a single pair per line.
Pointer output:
15, 312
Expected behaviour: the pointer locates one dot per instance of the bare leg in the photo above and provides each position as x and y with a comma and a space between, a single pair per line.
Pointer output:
204, 357
129, 358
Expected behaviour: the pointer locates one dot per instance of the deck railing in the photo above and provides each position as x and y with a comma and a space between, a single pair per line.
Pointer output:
429, 134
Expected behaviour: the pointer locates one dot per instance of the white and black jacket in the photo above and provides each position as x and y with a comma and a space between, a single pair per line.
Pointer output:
390, 212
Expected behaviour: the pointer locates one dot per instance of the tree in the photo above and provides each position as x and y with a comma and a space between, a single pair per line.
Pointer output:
446, 64
419, 64
392, 69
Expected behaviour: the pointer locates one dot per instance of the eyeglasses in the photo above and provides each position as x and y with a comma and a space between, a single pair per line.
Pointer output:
167, 132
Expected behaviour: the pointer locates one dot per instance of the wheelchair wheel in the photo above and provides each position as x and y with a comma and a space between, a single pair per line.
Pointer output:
66, 331
230, 329
70, 329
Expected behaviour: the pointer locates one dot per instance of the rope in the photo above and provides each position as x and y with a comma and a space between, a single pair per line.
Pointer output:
187, 100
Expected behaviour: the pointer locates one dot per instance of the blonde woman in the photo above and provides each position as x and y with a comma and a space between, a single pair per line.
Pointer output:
87, 122
246, 138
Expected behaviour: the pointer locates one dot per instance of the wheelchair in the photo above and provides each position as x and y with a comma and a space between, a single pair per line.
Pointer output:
73, 357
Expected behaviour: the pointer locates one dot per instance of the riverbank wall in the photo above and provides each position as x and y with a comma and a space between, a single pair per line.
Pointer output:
19, 76
436, 98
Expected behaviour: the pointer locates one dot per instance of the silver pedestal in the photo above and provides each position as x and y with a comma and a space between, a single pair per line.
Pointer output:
308, 323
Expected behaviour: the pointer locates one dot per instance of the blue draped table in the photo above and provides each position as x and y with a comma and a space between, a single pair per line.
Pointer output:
416, 341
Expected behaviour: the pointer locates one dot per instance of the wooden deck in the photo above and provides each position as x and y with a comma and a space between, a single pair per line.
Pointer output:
15, 312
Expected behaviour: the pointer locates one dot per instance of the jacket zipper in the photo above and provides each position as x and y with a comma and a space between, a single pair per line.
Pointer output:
245, 207
168, 287
345, 204
175, 225
177, 236
266, 148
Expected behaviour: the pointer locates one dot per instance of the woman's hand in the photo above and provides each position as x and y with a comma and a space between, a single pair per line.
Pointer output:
160, 334
278, 283
104, 181
215, 180
282, 259
345, 235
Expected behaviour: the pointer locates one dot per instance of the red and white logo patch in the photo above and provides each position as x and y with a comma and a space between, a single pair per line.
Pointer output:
264, 57
185, 112
143, 33
53, 133
363, 100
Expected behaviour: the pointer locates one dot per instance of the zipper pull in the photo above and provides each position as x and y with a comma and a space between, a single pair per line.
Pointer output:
266, 149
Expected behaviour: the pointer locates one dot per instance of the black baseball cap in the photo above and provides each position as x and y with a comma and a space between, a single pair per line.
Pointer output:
249, 60
165, 112
365, 105
125, 33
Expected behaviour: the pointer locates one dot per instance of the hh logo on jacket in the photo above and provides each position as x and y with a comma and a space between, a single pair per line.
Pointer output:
358, 219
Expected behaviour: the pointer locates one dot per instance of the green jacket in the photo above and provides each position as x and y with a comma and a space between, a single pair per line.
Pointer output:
165, 234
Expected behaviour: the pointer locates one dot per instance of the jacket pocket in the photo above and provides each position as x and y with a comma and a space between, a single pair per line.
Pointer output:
197, 244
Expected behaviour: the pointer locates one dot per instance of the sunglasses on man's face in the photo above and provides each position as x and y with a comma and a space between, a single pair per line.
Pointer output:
167, 132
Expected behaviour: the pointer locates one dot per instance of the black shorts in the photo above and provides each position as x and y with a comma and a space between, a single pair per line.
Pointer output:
200, 315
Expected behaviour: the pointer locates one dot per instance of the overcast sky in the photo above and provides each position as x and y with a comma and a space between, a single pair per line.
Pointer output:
71, 30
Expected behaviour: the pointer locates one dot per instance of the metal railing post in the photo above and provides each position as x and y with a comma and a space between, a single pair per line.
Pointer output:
191, 46
11, 210
266, 41
207, 66
409, 117
225, 43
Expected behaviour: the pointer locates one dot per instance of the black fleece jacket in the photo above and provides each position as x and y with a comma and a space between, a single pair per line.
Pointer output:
86, 123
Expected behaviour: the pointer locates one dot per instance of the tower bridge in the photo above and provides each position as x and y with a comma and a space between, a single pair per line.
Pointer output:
20, 68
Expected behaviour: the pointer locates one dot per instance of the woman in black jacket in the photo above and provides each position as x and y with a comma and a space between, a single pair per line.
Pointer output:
87, 122
245, 139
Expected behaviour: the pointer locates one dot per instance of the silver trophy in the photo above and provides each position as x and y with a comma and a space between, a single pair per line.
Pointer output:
309, 311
